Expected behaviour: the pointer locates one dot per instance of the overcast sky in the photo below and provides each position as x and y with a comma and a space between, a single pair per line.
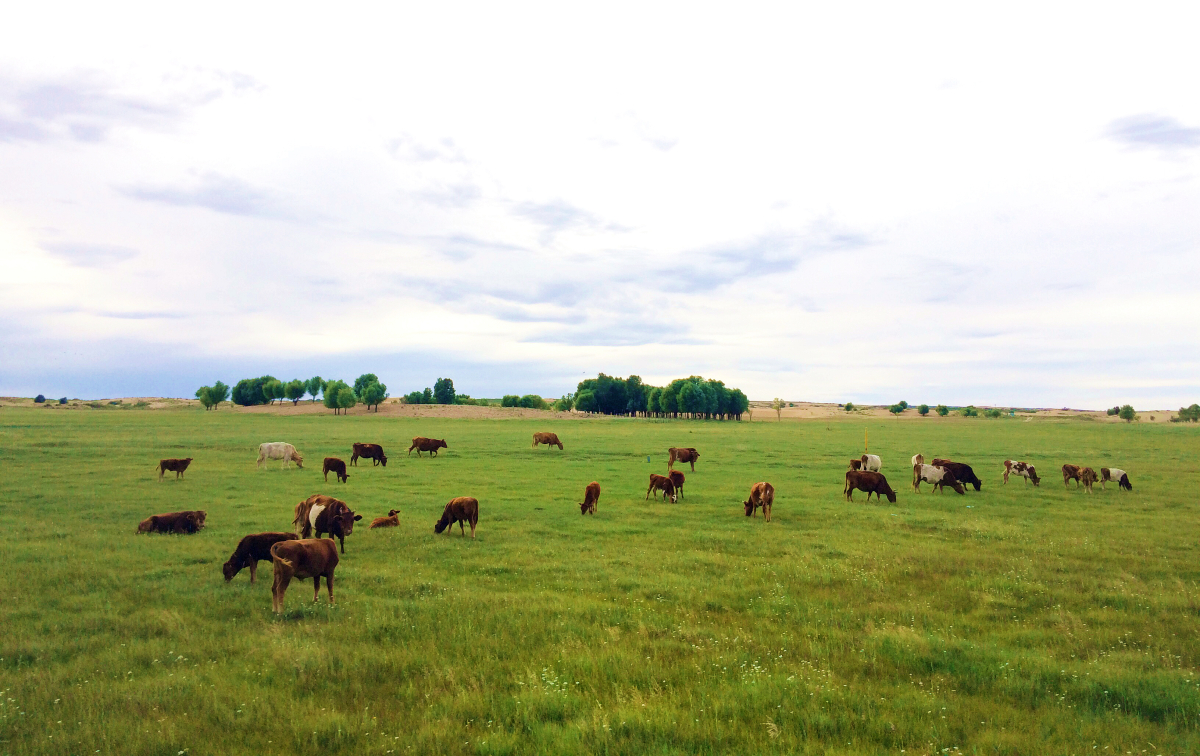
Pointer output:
865, 203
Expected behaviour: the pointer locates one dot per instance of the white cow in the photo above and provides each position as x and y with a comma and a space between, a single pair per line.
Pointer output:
871, 463
280, 450
938, 476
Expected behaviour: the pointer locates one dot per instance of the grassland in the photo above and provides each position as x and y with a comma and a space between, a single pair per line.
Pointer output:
1012, 621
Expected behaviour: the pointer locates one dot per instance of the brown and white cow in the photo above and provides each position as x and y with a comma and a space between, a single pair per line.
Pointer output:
431, 445
335, 466
549, 439
325, 514
678, 479
373, 452
661, 483
591, 497
250, 550
940, 477
871, 482
682, 454
310, 558
1113, 475
962, 471
919, 459
761, 495
176, 466
1024, 469
186, 522
391, 521
1071, 472
460, 510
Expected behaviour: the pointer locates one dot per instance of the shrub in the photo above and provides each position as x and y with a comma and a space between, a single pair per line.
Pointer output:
533, 401
1113, 411
1127, 414
443, 391
849, 406
510, 400
923, 410
415, 397
564, 403
942, 410
969, 411
39, 399
63, 400
1188, 415
993, 413
293, 390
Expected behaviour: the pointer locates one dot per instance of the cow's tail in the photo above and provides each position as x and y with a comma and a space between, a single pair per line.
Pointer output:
275, 555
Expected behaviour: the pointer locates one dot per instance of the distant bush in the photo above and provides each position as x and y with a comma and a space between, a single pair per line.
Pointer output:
896, 409
1188, 415
1113, 411
993, 413
249, 391
1127, 414
63, 400
510, 400
923, 410
39, 399
564, 403
942, 410
533, 401
969, 411
850, 406
115, 401
903, 404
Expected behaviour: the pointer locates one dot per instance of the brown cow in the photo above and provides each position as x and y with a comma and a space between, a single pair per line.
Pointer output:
325, 514
1088, 477
661, 483
591, 497
549, 439
460, 510
855, 464
761, 495
1024, 469
871, 482
176, 466
391, 521
678, 479
189, 521
373, 452
335, 466
250, 550
431, 445
1071, 472
682, 454
311, 558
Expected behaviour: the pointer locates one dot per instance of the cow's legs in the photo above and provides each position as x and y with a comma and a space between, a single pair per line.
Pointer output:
462, 530
473, 529
329, 585
316, 587
253, 569
693, 466
342, 543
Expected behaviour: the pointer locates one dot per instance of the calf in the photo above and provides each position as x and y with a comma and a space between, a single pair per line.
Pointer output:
280, 450
549, 439
189, 522
1089, 477
373, 452
391, 521
460, 510
1113, 475
940, 477
335, 466
871, 482
761, 495
591, 497
250, 550
661, 483
1071, 472
176, 466
677, 479
682, 454
431, 445
855, 464
1024, 469
311, 558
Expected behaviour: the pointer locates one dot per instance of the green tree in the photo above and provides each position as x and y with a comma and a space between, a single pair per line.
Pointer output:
510, 400
993, 412
331, 395
427, 396
850, 406
585, 401
564, 403
272, 390
314, 386
415, 397
1127, 414
739, 403
346, 398
204, 394
373, 395
942, 410
778, 405
362, 381
969, 411
533, 401
903, 404
249, 391
1113, 411
293, 390
896, 409
443, 391
923, 410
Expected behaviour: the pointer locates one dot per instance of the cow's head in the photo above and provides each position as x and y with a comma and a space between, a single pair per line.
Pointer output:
229, 569
749, 505
383, 459
856, 464
148, 525
440, 444
890, 494
671, 490
298, 460
584, 507
1033, 475
343, 522
443, 522
201, 517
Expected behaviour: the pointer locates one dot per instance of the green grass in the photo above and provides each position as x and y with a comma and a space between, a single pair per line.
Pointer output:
1014, 621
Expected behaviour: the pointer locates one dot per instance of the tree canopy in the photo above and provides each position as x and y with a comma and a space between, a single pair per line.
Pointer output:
692, 397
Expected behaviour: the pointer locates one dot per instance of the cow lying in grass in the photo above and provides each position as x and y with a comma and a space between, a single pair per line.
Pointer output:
682, 454
940, 477
1113, 475
661, 483
335, 466
549, 439
314, 558
871, 482
431, 445
391, 521
186, 522
1024, 469
250, 550
591, 497
460, 510
176, 466
280, 450
761, 495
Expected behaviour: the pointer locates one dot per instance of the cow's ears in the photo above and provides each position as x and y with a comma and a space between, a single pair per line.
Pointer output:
357, 517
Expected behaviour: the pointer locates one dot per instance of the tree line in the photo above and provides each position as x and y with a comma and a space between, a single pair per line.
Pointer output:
337, 395
442, 393
692, 397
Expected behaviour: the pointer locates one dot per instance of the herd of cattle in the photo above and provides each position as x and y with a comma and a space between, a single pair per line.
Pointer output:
300, 555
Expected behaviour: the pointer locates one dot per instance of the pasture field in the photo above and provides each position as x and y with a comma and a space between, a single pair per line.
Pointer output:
1012, 621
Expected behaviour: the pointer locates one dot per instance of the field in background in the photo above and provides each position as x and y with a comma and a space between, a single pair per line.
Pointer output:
1014, 621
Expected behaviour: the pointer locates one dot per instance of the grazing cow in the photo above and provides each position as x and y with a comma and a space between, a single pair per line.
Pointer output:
871, 463
855, 464
189, 521
678, 480
460, 510
919, 459
335, 466
549, 439
661, 483
761, 495
871, 482
325, 514
940, 477
962, 471
682, 454
311, 558
591, 497
1071, 472
280, 450
431, 445
250, 550
1089, 477
373, 452
176, 466
1024, 469
1112, 474
391, 521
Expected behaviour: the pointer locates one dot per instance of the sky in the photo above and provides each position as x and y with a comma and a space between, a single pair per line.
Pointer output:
867, 202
